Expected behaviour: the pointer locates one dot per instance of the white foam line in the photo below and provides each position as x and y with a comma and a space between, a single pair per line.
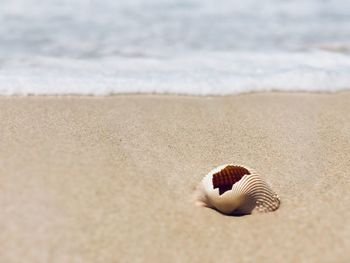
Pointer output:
204, 73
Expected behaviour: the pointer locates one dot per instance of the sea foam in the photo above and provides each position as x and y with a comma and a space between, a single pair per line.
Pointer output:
198, 47
200, 74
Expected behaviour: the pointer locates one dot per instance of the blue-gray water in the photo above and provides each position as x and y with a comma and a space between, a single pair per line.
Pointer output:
195, 46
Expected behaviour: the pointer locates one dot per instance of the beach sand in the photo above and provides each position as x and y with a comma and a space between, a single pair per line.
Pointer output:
110, 179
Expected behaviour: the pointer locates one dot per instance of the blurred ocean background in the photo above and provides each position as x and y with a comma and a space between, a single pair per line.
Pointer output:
201, 47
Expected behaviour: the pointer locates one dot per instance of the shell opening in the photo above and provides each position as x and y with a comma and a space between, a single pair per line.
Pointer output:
227, 177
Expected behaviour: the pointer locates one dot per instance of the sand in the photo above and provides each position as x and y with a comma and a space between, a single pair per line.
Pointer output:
109, 179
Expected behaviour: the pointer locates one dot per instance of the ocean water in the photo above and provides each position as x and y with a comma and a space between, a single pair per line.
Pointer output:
200, 47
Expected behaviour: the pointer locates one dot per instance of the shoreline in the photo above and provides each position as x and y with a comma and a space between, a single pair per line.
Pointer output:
165, 94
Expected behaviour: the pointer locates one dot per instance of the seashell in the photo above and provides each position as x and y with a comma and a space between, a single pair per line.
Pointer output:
236, 190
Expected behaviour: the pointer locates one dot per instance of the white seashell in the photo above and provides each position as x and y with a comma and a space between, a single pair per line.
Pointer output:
236, 189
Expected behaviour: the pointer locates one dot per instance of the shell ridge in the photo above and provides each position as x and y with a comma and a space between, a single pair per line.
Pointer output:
237, 189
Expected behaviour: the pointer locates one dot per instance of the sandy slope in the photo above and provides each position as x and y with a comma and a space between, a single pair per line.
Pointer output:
86, 179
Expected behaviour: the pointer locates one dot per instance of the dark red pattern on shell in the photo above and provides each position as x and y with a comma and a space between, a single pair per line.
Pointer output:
227, 177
